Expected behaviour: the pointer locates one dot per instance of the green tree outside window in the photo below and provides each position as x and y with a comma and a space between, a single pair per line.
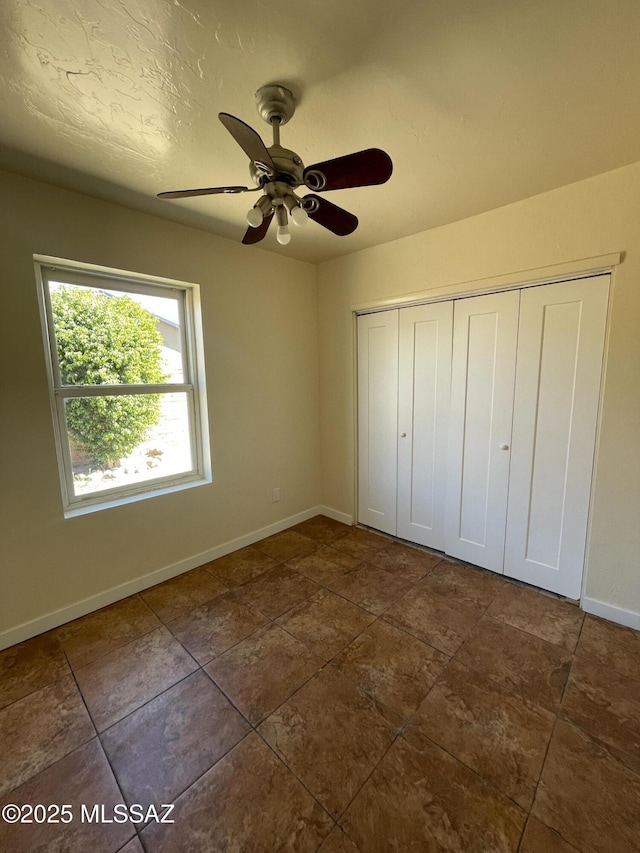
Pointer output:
106, 340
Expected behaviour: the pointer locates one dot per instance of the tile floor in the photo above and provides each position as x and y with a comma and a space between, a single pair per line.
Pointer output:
327, 689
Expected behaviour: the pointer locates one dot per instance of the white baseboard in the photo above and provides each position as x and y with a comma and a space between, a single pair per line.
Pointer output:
609, 611
336, 515
65, 614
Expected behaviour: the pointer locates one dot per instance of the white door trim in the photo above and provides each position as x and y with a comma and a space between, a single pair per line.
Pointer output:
516, 280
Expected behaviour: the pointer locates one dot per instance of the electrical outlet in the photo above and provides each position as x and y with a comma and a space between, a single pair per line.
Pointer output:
275, 494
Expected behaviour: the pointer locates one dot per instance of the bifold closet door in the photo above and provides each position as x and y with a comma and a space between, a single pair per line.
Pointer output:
424, 378
560, 353
378, 419
484, 357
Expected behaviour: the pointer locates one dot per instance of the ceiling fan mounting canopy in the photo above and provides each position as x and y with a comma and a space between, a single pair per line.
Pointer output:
279, 171
275, 102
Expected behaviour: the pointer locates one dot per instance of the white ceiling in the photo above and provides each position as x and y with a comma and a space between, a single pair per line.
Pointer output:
479, 102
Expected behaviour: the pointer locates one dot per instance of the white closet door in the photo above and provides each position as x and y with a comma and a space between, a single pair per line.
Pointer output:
484, 357
560, 351
378, 419
423, 418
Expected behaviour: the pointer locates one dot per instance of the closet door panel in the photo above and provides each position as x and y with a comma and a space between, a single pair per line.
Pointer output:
483, 369
425, 334
560, 350
378, 419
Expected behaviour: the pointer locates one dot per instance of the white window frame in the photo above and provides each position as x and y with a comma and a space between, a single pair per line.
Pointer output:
194, 383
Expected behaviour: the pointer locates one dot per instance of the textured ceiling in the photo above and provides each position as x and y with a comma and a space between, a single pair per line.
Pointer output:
479, 102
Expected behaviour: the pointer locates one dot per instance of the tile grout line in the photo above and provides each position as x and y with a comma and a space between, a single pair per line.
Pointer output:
281, 759
535, 796
71, 751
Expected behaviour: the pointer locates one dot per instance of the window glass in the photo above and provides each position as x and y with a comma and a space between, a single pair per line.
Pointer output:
164, 450
97, 321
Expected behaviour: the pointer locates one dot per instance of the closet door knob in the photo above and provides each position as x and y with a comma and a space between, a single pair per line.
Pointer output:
504, 447
403, 435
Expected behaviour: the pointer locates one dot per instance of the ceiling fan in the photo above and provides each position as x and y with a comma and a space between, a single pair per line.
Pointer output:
279, 172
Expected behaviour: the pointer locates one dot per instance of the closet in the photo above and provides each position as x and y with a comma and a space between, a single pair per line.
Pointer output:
477, 423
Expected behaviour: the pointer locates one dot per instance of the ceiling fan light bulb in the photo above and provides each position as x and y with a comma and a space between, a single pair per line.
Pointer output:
283, 235
254, 217
299, 215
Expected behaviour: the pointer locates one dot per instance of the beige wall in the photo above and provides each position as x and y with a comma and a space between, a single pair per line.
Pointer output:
586, 219
260, 324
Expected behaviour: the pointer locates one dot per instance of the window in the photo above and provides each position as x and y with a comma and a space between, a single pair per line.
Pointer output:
126, 377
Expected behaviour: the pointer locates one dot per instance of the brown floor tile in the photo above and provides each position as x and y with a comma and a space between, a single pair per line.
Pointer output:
39, 729
262, 671
530, 667
326, 623
241, 566
607, 706
417, 752
391, 666
337, 842
361, 544
465, 583
285, 545
321, 528
500, 736
331, 753
174, 597
162, 748
610, 645
406, 562
419, 799
538, 838
370, 587
28, 666
439, 620
247, 802
118, 683
81, 778
278, 590
99, 633
549, 618
323, 564
217, 625
590, 799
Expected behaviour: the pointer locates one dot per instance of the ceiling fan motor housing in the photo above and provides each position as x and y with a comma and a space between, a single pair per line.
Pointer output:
289, 165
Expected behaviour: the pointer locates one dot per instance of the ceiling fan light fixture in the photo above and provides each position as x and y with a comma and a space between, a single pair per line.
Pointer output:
297, 213
283, 235
299, 216
255, 217
259, 210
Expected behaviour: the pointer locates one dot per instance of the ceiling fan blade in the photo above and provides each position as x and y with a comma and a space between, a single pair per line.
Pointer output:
329, 215
205, 191
362, 169
250, 142
254, 235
